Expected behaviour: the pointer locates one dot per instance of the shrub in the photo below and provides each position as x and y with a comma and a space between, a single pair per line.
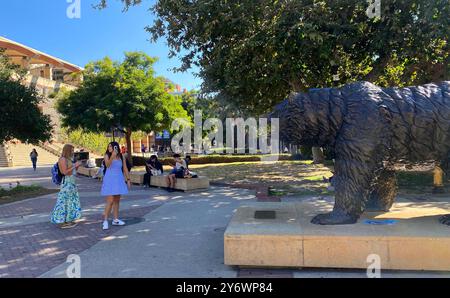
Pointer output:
211, 159
94, 142
19, 189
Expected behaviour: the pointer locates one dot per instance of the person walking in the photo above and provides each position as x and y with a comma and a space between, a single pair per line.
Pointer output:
143, 150
115, 180
34, 156
68, 208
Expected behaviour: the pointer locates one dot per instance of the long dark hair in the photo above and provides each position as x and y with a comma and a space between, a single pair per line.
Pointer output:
114, 145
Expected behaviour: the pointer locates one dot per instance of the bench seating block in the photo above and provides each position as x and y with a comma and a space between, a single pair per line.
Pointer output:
137, 177
182, 184
83, 171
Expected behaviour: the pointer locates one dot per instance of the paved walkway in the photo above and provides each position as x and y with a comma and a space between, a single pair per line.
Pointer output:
169, 235
31, 246
26, 176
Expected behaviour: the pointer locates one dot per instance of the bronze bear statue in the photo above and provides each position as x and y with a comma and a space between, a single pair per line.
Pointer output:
368, 128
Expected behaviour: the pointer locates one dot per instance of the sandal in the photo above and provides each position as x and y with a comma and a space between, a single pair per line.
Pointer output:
69, 225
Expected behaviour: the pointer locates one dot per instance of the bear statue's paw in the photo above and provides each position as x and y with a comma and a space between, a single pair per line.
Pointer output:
334, 218
445, 220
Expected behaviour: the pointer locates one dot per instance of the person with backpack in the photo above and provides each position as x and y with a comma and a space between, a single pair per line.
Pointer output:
68, 208
115, 181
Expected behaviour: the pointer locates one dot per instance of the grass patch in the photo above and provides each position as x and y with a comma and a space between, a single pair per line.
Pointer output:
415, 182
283, 177
314, 178
414, 179
22, 192
288, 191
301, 178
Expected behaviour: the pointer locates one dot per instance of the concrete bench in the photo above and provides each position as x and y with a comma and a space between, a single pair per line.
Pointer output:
187, 184
89, 172
83, 171
137, 177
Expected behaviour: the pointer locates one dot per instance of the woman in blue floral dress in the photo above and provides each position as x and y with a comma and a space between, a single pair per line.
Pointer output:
67, 209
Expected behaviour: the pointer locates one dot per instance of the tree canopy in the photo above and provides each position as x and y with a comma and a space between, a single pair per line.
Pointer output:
254, 53
19, 107
120, 95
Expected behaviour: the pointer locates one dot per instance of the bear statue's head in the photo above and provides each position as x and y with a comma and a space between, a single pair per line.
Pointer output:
293, 120
304, 119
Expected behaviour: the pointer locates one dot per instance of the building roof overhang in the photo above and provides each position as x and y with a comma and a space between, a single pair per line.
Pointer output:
36, 57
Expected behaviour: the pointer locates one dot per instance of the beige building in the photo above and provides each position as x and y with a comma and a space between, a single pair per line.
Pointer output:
47, 73
50, 74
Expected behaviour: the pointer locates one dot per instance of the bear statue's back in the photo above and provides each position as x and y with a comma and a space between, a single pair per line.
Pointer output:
420, 121
417, 118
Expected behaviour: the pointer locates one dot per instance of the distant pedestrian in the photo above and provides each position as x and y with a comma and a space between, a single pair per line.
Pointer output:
143, 149
68, 208
115, 181
34, 156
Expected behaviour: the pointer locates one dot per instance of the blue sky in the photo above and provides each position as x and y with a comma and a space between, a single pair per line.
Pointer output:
44, 25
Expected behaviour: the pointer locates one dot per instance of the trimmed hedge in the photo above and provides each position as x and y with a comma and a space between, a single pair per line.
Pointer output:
210, 159
139, 161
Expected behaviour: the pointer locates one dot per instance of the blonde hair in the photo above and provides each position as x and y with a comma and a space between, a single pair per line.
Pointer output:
67, 152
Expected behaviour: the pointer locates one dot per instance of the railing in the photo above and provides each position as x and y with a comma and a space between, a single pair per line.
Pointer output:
8, 154
46, 83
49, 148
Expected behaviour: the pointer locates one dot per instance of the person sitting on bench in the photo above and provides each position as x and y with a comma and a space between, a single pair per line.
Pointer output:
153, 168
177, 172
187, 159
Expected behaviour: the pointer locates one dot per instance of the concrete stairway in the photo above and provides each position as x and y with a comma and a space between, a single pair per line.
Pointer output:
58, 147
20, 154
3, 157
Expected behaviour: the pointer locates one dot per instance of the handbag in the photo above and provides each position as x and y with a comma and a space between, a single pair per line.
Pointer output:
156, 172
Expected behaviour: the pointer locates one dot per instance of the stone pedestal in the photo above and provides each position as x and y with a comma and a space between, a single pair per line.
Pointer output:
416, 241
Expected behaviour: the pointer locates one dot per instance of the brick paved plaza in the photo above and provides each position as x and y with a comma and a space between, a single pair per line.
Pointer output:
170, 235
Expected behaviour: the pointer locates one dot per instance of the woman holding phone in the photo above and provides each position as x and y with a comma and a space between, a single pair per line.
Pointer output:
67, 209
115, 180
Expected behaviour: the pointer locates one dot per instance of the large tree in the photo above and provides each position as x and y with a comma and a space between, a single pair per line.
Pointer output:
254, 53
19, 106
124, 96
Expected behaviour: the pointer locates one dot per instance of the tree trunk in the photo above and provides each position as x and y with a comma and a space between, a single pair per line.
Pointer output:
318, 156
130, 150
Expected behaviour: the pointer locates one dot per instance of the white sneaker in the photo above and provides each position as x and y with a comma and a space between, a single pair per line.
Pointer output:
105, 225
118, 222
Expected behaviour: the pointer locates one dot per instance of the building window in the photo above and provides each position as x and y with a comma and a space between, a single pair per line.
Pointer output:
58, 75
